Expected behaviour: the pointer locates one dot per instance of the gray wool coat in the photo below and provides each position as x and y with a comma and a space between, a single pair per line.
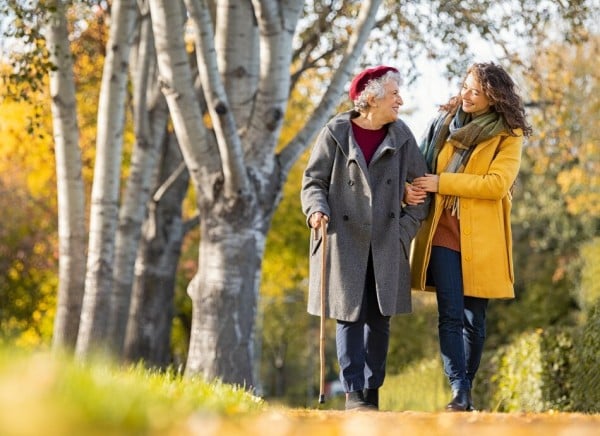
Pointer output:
365, 211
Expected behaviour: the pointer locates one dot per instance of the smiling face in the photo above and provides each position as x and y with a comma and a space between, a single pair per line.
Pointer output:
474, 100
386, 108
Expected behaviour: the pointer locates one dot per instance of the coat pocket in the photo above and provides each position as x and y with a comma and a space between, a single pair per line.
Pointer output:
404, 244
315, 244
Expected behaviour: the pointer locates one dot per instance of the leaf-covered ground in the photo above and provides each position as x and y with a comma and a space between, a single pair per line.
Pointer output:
288, 422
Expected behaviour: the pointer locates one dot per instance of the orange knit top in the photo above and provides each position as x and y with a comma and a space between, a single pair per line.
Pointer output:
447, 233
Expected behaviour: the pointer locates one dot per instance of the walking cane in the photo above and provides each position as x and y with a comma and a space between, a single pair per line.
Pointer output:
322, 226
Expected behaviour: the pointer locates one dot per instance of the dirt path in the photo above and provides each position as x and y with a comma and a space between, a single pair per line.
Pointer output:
293, 422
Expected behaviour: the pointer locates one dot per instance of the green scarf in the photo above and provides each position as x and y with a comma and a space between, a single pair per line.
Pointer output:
464, 133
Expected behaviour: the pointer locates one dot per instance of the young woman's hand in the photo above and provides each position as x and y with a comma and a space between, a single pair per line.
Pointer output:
428, 183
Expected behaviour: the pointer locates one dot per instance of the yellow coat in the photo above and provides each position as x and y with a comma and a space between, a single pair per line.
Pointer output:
485, 205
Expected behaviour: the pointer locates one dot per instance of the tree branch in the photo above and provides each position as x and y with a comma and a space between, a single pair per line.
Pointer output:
237, 44
176, 76
276, 21
228, 141
295, 148
310, 63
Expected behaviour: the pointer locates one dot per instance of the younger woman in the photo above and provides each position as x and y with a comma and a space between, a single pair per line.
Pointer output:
464, 249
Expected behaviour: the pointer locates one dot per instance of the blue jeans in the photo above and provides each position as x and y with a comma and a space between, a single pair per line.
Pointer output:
461, 321
362, 345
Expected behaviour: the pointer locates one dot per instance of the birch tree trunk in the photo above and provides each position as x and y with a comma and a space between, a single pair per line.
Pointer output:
236, 43
72, 233
150, 127
105, 188
221, 331
149, 329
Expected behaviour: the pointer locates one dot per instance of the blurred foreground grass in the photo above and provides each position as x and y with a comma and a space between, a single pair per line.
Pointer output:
43, 394
49, 394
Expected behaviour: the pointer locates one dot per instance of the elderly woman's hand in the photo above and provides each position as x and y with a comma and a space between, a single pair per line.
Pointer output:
316, 218
428, 183
414, 195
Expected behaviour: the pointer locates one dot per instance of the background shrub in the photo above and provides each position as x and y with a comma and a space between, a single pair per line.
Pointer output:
586, 366
533, 373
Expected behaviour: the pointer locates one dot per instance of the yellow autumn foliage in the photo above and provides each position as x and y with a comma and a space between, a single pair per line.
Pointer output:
28, 178
566, 83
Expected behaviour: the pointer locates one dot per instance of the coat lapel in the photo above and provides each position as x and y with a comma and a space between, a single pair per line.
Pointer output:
355, 154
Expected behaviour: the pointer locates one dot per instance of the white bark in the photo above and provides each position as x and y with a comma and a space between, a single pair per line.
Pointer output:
105, 189
150, 127
236, 42
230, 148
149, 328
72, 233
277, 21
224, 309
176, 79
223, 291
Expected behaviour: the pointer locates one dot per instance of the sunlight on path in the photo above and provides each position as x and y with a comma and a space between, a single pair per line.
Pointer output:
317, 423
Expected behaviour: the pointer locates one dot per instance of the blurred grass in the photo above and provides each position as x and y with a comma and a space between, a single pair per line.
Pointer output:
420, 386
49, 394
43, 394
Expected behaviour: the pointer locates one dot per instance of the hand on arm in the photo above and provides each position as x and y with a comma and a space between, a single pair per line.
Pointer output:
428, 183
414, 195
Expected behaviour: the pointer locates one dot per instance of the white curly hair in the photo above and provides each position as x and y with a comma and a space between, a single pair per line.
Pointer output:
375, 88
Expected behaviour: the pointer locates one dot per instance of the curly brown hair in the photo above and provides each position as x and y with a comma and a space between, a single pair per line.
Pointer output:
500, 90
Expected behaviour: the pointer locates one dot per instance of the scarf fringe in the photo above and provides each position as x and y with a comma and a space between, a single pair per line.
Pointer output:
452, 203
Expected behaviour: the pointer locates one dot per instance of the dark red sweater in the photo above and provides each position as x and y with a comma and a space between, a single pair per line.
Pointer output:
368, 140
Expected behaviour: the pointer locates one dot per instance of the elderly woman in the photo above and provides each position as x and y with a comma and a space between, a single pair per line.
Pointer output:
352, 189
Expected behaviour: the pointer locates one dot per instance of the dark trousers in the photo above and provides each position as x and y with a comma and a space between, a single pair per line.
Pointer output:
461, 321
362, 345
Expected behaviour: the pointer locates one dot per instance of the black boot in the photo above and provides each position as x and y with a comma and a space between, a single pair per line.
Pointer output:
356, 401
372, 397
470, 407
461, 400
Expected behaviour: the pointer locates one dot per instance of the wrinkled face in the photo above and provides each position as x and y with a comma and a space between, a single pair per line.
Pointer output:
474, 100
387, 107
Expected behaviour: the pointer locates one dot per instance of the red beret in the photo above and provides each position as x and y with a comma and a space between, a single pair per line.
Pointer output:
359, 82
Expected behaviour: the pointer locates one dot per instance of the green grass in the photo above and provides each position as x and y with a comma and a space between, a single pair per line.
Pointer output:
420, 386
46, 394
